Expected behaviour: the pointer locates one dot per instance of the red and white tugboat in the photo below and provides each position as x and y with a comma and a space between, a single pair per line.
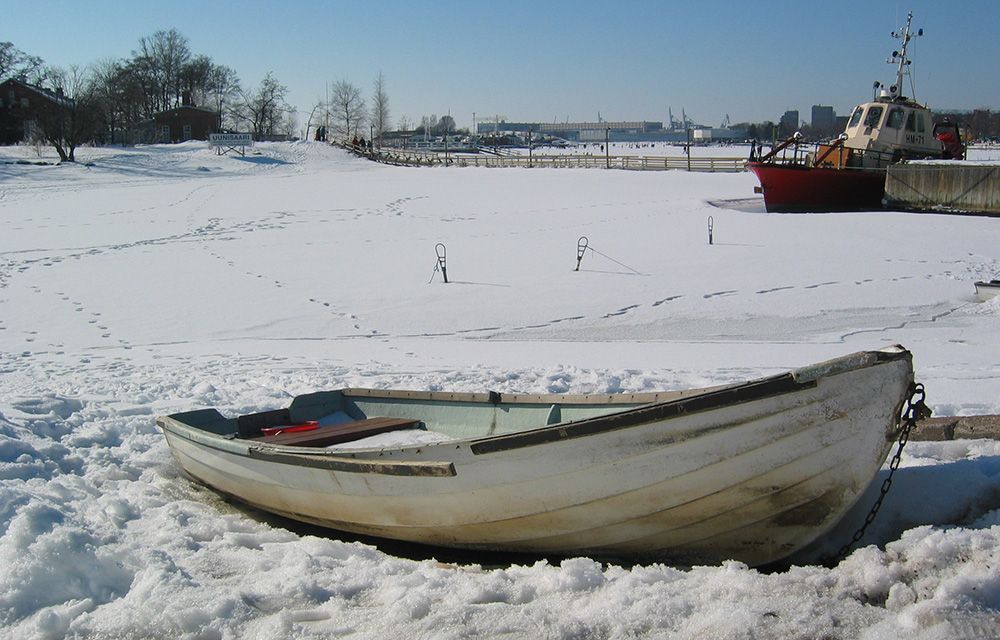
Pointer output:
848, 173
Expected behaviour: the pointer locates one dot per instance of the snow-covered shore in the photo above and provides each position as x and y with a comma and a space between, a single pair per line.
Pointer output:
157, 279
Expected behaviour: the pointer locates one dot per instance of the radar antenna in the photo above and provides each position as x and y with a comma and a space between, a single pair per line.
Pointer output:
900, 59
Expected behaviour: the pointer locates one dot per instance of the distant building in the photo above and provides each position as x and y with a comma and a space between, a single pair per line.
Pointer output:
398, 138
585, 131
822, 117
186, 122
789, 122
706, 135
598, 132
22, 107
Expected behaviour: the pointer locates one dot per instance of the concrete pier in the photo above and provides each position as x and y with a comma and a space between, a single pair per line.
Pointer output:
957, 428
946, 187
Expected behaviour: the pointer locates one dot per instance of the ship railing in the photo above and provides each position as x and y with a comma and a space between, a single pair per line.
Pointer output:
794, 143
831, 155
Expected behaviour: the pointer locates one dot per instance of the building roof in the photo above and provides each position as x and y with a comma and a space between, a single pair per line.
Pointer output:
56, 97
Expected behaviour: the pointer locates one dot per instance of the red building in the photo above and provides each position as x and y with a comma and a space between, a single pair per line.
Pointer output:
186, 122
22, 106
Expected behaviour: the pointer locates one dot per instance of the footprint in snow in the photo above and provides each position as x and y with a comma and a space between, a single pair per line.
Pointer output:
670, 299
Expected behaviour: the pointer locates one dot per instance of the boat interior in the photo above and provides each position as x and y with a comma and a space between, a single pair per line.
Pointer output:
326, 418
333, 417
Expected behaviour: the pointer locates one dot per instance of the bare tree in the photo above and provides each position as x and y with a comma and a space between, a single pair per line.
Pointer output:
222, 86
126, 92
68, 118
380, 107
106, 89
404, 123
264, 109
348, 108
120, 91
319, 109
445, 125
161, 59
428, 124
290, 123
209, 84
15, 63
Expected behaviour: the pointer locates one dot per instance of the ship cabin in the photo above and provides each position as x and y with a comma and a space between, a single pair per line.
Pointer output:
891, 128
888, 131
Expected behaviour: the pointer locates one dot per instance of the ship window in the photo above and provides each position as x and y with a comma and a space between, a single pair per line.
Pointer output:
855, 117
873, 117
916, 122
895, 119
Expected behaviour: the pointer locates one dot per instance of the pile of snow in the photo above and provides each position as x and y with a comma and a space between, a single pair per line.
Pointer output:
158, 279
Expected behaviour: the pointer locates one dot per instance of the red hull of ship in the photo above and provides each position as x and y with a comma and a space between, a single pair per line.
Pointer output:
799, 188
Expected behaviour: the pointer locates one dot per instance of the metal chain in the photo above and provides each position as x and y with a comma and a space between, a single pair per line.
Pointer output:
636, 271
915, 410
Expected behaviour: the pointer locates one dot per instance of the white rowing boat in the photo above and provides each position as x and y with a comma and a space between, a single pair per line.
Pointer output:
751, 471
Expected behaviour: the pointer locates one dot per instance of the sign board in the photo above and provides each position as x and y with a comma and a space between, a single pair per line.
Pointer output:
226, 142
230, 139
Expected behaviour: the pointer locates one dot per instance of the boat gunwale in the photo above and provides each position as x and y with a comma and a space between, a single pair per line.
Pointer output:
303, 456
640, 398
698, 401
286, 455
657, 412
716, 398
790, 165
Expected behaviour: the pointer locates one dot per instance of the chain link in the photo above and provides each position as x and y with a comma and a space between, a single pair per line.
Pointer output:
915, 410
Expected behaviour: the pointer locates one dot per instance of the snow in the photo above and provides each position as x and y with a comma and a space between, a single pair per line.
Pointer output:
157, 279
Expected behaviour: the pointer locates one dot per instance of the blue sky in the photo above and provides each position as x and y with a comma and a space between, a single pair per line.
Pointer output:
551, 59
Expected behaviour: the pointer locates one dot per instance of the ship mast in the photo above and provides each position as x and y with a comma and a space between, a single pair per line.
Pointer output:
899, 57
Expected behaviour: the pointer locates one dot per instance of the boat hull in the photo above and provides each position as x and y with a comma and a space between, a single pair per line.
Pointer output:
754, 473
987, 290
796, 188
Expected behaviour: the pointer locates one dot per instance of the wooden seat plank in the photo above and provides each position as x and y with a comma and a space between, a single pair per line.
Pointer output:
338, 433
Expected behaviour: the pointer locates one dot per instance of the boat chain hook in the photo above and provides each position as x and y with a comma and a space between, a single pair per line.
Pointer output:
442, 262
915, 410
581, 248
582, 245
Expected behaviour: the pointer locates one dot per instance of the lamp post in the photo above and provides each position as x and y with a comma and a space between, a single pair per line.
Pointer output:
607, 146
688, 148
